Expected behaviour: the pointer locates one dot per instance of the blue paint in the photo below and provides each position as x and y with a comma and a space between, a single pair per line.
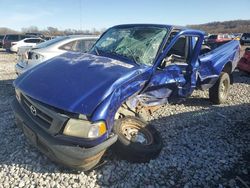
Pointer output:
96, 85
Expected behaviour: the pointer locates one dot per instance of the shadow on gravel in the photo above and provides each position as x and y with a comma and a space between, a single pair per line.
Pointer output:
6, 87
205, 102
238, 77
201, 148
241, 77
206, 144
7, 93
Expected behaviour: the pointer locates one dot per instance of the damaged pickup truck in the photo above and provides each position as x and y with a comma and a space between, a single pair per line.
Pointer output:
74, 106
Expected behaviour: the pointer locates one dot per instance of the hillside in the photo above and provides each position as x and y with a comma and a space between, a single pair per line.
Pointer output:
235, 26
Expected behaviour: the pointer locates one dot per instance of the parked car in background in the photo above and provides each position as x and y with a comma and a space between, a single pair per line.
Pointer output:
35, 35
244, 63
76, 105
245, 38
9, 38
48, 37
31, 42
237, 36
216, 40
1, 40
28, 58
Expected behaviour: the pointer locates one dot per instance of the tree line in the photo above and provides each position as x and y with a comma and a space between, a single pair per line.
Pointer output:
235, 26
51, 31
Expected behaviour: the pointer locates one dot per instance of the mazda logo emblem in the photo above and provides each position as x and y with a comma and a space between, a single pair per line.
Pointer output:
33, 110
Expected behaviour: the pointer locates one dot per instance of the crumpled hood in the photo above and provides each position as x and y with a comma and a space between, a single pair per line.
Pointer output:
74, 82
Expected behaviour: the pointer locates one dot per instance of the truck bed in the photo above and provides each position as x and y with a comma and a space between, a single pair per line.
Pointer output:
213, 62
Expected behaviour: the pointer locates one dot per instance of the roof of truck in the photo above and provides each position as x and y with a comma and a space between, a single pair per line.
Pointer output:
153, 25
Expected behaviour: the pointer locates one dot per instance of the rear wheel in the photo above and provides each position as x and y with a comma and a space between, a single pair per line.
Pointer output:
137, 140
219, 92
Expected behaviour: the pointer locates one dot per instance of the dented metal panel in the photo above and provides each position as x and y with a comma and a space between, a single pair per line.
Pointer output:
97, 85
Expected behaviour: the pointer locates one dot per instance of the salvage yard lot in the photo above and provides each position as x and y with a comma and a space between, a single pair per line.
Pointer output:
204, 145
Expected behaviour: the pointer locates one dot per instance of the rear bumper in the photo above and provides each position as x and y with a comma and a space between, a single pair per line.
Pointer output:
58, 151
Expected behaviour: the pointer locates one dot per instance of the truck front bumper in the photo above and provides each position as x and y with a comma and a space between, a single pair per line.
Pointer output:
62, 152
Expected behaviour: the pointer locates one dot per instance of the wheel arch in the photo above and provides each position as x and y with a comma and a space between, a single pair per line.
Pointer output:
228, 68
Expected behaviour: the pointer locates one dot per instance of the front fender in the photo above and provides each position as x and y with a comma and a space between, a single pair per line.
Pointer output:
109, 106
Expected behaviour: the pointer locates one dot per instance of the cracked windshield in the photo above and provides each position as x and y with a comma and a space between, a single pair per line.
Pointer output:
137, 43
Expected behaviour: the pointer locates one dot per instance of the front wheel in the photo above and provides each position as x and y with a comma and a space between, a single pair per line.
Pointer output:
218, 94
137, 140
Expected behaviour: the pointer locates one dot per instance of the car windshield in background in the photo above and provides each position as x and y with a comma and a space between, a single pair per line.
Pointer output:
212, 37
139, 44
246, 35
51, 42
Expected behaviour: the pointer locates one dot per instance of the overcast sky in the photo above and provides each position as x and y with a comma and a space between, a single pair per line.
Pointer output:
88, 14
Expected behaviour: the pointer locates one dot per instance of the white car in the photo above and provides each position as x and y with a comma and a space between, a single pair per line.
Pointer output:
25, 42
30, 57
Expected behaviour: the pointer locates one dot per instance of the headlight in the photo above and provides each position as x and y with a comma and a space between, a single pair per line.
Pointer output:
84, 129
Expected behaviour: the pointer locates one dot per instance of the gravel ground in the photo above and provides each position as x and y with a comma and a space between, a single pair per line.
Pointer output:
204, 146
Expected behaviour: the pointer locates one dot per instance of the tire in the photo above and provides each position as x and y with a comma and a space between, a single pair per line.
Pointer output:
219, 92
148, 145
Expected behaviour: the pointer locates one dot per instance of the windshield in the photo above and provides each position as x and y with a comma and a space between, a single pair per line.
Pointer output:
51, 42
212, 37
139, 44
246, 35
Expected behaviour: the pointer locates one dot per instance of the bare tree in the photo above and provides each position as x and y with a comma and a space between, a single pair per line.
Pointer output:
5, 30
30, 29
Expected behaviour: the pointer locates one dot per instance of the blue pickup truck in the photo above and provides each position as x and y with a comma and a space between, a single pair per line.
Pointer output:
76, 105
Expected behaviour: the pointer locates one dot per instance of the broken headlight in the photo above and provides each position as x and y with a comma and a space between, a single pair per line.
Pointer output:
84, 129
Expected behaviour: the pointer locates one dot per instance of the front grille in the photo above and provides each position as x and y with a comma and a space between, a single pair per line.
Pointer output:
40, 116
49, 120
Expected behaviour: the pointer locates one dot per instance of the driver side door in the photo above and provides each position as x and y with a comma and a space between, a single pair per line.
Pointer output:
175, 75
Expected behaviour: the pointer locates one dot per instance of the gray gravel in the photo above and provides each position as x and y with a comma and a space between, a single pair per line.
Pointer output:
204, 146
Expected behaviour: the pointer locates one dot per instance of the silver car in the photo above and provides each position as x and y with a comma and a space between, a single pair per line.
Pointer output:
29, 57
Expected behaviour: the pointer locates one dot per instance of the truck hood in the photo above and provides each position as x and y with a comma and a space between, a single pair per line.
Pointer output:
75, 82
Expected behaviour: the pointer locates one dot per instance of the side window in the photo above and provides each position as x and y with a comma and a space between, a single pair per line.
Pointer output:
194, 41
179, 48
30, 40
178, 53
69, 46
22, 37
40, 40
34, 40
84, 45
13, 37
